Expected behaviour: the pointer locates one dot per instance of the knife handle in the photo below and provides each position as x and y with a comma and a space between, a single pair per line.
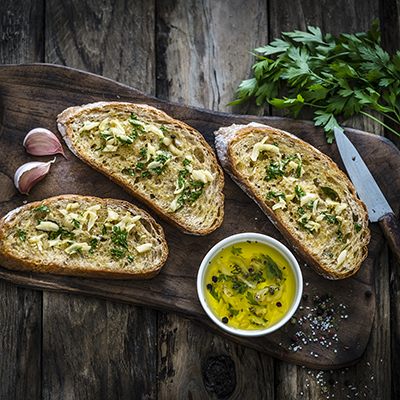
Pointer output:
391, 229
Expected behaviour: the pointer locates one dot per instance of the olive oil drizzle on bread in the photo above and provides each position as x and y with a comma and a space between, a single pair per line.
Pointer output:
303, 192
83, 236
161, 161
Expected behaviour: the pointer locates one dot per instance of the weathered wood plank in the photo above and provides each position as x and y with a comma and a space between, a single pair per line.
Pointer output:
110, 38
195, 364
390, 14
203, 54
96, 348
341, 17
20, 309
22, 32
174, 289
372, 377
20, 343
204, 50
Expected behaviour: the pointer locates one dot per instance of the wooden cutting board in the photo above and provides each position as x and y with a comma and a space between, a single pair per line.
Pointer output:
32, 96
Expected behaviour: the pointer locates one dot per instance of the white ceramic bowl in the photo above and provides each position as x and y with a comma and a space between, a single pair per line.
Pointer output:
240, 238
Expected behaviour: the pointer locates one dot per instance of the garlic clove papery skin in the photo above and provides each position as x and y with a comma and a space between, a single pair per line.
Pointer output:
27, 175
42, 142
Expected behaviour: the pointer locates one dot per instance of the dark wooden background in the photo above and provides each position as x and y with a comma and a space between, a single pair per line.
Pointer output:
66, 346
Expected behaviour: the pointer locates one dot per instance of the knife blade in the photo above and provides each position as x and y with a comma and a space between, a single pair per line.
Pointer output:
369, 192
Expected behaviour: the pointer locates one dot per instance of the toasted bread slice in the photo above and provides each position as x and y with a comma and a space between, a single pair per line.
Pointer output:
83, 236
162, 162
303, 192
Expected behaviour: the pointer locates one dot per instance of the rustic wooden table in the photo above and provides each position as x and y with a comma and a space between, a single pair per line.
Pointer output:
69, 346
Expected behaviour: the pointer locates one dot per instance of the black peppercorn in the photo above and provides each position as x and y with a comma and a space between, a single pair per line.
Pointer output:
209, 286
331, 381
320, 311
173, 136
225, 320
279, 304
305, 296
368, 293
214, 279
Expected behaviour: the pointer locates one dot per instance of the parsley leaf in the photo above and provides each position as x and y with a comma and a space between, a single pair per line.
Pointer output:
42, 208
21, 234
250, 299
143, 152
299, 192
93, 244
236, 251
276, 195
271, 267
335, 77
119, 237
117, 252
273, 171
329, 192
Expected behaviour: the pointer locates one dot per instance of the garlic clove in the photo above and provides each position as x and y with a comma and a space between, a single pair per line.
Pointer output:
42, 142
27, 175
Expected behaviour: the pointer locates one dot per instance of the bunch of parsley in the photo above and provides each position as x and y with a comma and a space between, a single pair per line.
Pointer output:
336, 77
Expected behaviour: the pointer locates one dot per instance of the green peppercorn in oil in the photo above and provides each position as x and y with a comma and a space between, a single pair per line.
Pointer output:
249, 286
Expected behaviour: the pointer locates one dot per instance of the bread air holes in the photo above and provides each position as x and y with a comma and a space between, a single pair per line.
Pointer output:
147, 226
346, 237
136, 237
198, 153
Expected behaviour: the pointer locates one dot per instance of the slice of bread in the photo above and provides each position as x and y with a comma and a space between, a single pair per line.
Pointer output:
303, 192
82, 236
162, 162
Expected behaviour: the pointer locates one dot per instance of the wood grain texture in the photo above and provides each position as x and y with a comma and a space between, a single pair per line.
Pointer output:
86, 47
110, 38
209, 366
174, 288
354, 17
206, 76
20, 309
115, 39
22, 32
93, 347
199, 66
20, 345
391, 229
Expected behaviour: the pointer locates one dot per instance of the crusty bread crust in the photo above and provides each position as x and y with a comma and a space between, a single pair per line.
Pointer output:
200, 217
22, 253
322, 247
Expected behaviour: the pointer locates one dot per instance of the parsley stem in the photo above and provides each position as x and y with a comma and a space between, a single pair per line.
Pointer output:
320, 78
382, 123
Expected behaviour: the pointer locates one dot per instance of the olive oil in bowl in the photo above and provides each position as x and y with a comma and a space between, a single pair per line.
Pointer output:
250, 284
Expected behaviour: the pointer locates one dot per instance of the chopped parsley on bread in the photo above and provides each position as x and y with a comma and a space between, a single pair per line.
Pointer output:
83, 236
303, 192
164, 163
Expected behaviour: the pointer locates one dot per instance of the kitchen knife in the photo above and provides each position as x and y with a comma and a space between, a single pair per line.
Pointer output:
368, 191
